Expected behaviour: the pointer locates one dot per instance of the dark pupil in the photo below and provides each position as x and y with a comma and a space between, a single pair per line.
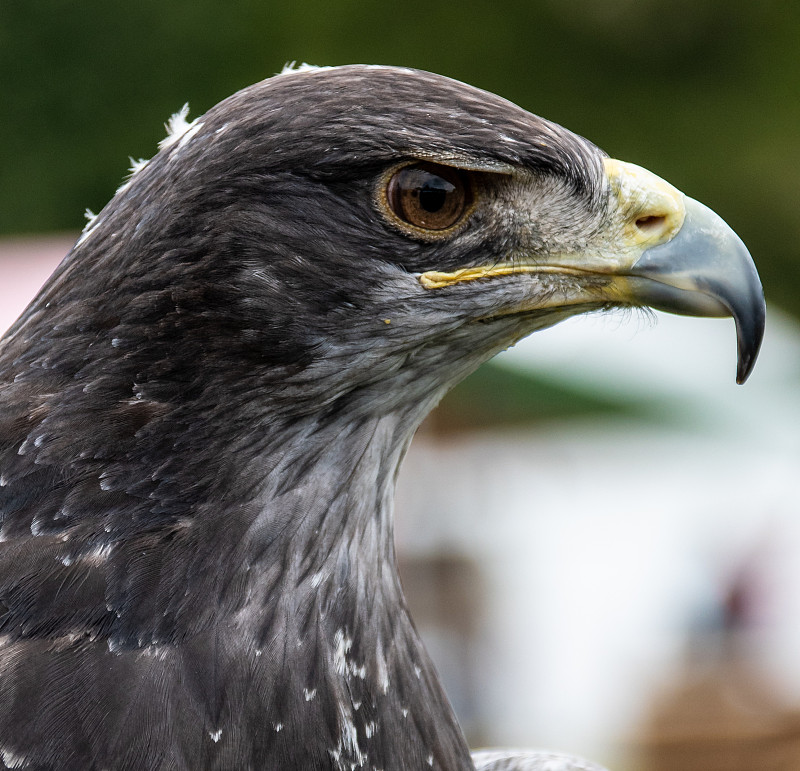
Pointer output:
433, 193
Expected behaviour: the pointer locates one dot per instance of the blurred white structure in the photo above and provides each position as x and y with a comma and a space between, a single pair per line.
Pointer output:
601, 542
598, 542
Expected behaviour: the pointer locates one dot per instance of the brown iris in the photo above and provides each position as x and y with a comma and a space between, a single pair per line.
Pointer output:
429, 196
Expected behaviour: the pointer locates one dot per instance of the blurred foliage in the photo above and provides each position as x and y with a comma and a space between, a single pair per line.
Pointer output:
703, 92
497, 396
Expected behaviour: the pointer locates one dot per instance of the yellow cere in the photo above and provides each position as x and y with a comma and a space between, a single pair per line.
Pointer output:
652, 209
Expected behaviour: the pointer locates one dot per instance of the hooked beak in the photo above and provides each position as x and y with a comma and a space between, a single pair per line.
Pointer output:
705, 270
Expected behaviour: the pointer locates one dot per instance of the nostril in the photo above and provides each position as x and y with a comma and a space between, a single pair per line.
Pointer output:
651, 224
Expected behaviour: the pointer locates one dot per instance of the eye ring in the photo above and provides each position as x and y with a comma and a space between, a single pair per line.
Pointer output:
428, 199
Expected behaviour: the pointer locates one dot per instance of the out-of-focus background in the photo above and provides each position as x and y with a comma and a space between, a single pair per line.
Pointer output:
598, 531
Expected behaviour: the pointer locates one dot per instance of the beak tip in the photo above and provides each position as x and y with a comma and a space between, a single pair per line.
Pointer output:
743, 372
750, 336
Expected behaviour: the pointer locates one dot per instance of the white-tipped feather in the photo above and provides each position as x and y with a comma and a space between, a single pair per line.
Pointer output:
290, 67
137, 165
177, 127
91, 219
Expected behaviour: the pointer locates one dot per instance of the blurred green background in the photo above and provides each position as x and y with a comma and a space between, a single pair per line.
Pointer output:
703, 92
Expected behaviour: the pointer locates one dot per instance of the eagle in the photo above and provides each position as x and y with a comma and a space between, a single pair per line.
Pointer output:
203, 412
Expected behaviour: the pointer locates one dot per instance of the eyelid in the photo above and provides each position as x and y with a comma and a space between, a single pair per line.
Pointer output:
465, 163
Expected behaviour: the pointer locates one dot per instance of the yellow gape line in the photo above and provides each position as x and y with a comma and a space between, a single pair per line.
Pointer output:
435, 279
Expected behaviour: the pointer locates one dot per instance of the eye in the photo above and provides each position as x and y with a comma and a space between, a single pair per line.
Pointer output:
429, 196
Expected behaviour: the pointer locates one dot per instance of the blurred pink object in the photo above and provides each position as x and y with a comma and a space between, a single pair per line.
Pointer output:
25, 264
